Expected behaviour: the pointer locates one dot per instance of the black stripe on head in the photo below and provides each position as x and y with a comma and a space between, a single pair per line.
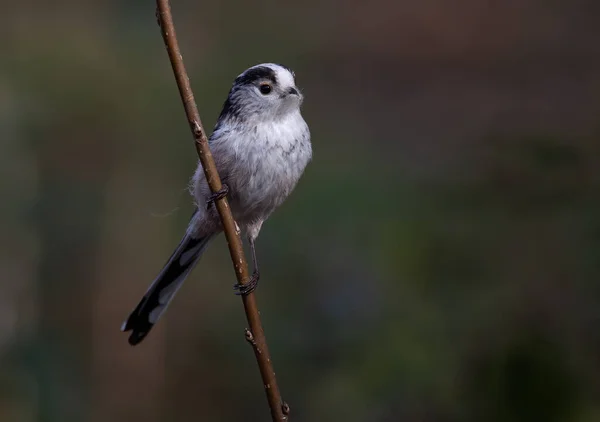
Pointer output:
255, 74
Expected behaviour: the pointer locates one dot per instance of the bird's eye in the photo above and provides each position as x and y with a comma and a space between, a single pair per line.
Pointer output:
265, 89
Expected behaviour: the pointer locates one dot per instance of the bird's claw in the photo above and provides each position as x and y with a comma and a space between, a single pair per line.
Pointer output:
246, 289
221, 193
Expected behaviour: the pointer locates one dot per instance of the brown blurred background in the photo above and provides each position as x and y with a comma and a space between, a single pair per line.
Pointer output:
439, 261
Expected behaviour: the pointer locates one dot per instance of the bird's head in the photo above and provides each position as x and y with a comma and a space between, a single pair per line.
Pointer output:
264, 91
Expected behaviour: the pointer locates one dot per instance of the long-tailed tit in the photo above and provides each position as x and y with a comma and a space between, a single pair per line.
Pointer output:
261, 145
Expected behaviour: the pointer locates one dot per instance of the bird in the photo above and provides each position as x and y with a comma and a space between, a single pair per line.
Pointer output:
261, 146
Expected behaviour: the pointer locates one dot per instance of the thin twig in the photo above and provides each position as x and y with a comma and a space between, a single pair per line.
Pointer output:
255, 335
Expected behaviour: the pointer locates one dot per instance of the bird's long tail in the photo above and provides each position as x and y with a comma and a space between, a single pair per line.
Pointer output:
163, 288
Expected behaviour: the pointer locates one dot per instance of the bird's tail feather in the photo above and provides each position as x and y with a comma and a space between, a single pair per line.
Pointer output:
163, 288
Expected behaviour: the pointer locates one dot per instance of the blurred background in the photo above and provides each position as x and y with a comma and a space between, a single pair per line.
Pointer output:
438, 262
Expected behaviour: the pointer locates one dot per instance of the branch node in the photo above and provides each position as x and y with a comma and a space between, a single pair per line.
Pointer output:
285, 408
250, 339
249, 336
197, 130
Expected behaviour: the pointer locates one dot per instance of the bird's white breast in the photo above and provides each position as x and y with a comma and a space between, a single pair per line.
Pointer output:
271, 157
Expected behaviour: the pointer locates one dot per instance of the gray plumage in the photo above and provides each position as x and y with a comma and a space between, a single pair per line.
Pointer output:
261, 145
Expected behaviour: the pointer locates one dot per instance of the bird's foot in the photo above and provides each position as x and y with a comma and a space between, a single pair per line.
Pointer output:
246, 289
221, 193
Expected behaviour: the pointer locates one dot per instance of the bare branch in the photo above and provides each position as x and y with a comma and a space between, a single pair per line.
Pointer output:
255, 335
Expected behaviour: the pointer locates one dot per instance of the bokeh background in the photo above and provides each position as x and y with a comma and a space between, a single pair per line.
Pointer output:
438, 262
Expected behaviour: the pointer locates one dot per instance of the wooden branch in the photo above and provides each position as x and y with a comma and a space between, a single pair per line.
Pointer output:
255, 334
